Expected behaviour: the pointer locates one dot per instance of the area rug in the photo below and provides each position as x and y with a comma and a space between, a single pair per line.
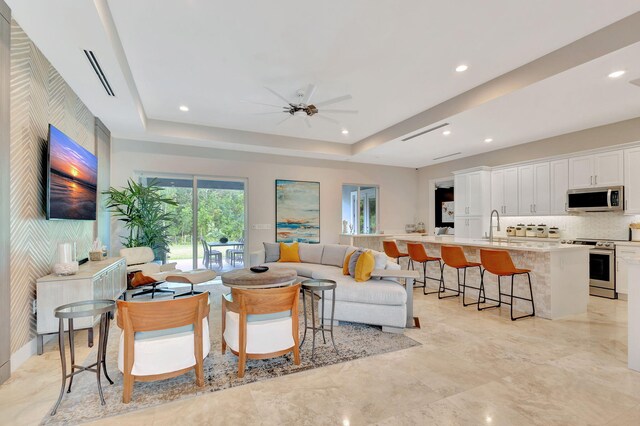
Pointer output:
83, 404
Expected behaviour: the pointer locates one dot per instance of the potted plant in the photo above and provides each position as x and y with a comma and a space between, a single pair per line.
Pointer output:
142, 208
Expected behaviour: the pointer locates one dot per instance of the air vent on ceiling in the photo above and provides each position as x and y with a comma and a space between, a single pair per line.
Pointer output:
636, 82
425, 131
447, 156
98, 69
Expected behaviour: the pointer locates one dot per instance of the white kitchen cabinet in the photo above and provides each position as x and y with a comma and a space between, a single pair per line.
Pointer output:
541, 188
105, 279
504, 191
632, 181
623, 254
559, 183
525, 190
472, 193
596, 170
470, 227
533, 189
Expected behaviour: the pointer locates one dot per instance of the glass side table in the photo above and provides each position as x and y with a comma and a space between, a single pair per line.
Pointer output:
88, 308
313, 286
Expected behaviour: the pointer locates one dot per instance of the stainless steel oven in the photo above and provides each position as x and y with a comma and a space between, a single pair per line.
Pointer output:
602, 273
602, 267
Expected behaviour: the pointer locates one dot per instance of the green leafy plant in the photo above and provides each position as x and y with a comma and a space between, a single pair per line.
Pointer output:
143, 209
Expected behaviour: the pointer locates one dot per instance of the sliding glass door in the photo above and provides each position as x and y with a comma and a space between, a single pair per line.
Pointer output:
209, 226
221, 224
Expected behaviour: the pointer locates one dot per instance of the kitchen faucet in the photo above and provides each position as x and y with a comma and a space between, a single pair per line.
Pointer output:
491, 224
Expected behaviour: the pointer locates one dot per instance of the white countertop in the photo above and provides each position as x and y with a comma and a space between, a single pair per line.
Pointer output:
537, 246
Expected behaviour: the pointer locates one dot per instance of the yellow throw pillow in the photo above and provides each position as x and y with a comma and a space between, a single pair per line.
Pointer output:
345, 266
289, 253
364, 266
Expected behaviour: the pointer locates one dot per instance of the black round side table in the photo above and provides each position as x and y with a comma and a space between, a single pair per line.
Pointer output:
320, 286
88, 308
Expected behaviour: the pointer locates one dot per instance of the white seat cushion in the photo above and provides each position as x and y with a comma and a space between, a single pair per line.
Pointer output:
263, 337
164, 351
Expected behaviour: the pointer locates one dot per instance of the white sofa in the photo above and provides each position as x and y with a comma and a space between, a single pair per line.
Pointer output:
377, 302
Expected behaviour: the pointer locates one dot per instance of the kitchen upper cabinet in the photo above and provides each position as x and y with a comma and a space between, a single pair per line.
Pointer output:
533, 189
504, 191
541, 189
559, 180
632, 181
609, 168
472, 192
604, 169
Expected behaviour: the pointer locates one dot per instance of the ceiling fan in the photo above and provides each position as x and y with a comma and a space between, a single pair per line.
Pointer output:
303, 107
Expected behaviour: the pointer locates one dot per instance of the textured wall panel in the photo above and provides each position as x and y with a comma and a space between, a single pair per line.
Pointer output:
39, 96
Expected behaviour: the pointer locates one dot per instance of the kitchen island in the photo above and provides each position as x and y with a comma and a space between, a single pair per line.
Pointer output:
559, 272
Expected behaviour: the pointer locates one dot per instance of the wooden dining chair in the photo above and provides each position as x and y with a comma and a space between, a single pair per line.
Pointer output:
261, 323
162, 340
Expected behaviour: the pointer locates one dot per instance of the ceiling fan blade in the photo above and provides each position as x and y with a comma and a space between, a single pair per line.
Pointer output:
285, 119
333, 101
306, 120
278, 95
262, 103
327, 119
308, 93
341, 111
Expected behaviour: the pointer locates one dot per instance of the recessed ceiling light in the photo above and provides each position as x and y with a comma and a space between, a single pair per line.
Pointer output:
446, 132
345, 132
617, 74
184, 108
462, 68
488, 140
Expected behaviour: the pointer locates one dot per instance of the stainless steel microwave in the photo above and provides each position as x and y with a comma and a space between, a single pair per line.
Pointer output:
603, 199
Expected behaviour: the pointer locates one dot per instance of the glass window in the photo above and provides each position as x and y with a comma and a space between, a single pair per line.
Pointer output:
360, 209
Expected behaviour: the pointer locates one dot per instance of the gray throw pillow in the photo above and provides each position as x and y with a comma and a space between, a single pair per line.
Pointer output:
352, 262
380, 263
271, 252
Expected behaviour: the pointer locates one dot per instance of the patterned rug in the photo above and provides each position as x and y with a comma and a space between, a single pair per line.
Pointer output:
83, 404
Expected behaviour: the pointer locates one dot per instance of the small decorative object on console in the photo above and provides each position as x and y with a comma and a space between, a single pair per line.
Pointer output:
66, 262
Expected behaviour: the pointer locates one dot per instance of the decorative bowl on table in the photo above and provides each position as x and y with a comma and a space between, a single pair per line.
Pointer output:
259, 269
224, 240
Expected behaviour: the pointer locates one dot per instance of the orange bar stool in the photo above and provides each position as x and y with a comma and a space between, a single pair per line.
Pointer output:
453, 257
418, 254
499, 263
391, 250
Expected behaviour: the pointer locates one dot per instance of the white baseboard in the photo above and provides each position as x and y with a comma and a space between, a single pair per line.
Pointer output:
20, 356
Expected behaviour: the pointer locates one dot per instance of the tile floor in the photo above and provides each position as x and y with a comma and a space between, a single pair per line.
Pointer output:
472, 368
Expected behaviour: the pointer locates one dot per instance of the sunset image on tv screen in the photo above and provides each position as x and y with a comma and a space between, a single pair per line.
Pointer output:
73, 177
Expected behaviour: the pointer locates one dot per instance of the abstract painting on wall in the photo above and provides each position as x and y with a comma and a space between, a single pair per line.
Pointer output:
297, 211
448, 213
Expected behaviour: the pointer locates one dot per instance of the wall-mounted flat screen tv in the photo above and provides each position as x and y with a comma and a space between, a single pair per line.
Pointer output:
72, 176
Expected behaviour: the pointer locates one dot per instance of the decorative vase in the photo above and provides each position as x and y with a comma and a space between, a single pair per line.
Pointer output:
66, 259
635, 234
224, 240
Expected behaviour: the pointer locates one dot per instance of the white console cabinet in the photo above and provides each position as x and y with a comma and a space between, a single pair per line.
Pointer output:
105, 279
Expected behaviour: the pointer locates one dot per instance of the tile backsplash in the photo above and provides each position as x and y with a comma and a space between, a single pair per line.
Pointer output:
613, 226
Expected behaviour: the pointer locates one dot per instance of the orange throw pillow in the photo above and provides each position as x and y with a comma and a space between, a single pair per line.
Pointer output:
289, 253
345, 266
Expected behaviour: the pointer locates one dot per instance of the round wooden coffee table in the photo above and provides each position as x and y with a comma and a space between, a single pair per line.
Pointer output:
274, 277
